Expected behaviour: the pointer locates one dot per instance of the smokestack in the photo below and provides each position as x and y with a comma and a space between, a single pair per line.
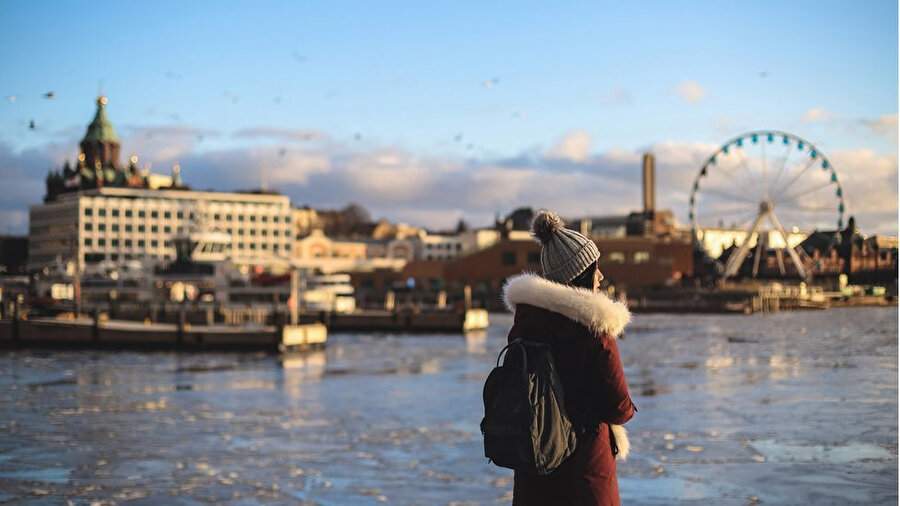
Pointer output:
649, 170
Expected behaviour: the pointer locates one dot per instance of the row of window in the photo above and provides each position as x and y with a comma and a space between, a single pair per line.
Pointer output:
140, 243
114, 227
509, 257
618, 257
445, 245
128, 213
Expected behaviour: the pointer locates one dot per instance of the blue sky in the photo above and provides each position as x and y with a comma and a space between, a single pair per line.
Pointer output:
506, 103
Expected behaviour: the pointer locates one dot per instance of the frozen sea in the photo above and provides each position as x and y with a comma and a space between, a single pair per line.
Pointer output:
791, 408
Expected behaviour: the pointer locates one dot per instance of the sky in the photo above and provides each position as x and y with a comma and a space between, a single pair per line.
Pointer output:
431, 112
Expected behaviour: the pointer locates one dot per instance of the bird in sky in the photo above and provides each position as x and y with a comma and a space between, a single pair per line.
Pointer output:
490, 83
50, 95
31, 125
12, 98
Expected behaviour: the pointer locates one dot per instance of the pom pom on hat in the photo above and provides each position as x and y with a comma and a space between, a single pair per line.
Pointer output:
564, 253
545, 225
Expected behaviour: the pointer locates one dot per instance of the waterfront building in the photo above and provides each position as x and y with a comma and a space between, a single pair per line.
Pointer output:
100, 210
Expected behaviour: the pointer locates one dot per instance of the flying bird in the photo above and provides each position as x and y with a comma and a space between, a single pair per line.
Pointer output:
12, 98
458, 137
49, 95
490, 83
764, 74
31, 125
173, 75
299, 57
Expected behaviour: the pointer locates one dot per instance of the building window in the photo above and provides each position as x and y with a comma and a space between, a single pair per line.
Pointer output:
88, 241
252, 245
88, 226
275, 232
167, 244
101, 242
154, 229
533, 257
252, 231
240, 245
227, 217
115, 213
128, 228
142, 214
101, 227
114, 243
141, 243
167, 229
88, 211
616, 257
265, 219
154, 243
141, 228
217, 217
274, 247
641, 257
128, 213
252, 218
154, 214
240, 217
167, 215
276, 219
179, 215
265, 232
508, 258
265, 246
127, 243
115, 227
101, 212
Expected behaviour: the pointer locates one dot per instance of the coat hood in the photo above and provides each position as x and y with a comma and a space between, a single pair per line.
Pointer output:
600, 314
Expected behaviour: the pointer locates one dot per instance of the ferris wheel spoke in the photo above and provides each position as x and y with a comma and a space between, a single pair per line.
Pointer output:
727, 212
729, 174
765, 167
723, 194
784, 159
809, 209
807, 191
752, 177
795, 178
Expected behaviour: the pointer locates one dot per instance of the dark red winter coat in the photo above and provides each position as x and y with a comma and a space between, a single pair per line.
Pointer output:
581, 327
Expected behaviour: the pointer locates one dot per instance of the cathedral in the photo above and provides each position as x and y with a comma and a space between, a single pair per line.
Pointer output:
98, 163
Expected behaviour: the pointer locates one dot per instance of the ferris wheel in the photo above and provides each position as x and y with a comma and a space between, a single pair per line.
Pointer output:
766, 181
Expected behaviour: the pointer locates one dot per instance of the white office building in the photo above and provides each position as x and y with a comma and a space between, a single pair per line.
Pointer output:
139, 224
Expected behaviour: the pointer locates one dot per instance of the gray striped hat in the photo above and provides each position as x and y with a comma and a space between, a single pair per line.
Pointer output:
564, 253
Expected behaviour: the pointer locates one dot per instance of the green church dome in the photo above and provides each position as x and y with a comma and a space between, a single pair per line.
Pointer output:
101, 130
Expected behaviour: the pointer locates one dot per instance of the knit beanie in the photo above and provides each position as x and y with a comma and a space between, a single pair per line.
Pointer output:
564, 253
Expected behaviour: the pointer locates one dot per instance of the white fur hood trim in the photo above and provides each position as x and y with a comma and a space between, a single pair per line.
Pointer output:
600, 314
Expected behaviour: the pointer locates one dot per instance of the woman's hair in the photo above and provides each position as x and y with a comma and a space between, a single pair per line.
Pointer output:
586, 278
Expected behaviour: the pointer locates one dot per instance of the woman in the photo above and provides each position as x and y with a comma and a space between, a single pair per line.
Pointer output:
565, 310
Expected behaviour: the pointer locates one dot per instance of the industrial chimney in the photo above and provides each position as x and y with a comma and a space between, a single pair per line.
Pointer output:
649, 184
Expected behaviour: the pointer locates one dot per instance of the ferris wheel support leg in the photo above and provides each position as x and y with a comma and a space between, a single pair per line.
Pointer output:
796, 258
756, 256
735, 260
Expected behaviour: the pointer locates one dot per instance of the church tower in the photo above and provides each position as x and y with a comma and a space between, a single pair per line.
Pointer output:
100, 143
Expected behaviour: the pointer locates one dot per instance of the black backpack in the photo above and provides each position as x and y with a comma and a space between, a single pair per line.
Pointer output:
525, 425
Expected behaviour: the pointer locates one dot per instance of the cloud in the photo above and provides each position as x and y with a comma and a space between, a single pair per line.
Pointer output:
817, 113
574, 146
885, 125
617, 95
282, 134
691, 91
435, 192
163, 145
